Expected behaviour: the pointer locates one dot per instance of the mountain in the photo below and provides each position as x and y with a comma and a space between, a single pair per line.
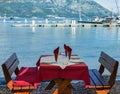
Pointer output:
52, 8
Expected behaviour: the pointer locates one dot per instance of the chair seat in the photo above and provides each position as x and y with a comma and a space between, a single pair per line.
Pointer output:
28, 76
97, 80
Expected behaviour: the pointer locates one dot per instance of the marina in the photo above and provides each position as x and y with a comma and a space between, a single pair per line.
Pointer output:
47, 46
61, 22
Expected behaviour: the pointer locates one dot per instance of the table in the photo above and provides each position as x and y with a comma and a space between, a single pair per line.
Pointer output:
63, 72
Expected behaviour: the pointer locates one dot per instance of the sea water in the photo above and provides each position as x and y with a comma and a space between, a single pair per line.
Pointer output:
31, 42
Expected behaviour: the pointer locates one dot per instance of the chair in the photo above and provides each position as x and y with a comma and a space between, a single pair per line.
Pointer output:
97, 79
26, 78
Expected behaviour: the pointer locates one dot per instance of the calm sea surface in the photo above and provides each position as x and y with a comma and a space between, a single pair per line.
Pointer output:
29, 43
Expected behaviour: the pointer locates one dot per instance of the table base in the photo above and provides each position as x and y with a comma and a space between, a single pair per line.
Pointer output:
63, 86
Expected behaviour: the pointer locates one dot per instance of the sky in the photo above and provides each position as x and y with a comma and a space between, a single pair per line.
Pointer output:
109, 4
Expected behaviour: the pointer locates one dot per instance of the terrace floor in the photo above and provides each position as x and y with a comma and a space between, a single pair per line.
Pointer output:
78, 89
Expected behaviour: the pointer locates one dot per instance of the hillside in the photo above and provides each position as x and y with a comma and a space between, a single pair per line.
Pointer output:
52, 8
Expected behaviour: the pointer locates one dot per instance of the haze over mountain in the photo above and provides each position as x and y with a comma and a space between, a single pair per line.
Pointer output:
52, 8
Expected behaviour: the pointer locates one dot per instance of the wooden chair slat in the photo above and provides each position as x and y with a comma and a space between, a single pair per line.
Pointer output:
106, 65
10, 60
23, 88
13, 67
95, 79
107, 62
108, 58
100, 77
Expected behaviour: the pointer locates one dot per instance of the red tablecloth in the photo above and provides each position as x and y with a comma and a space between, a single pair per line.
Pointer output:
77, 71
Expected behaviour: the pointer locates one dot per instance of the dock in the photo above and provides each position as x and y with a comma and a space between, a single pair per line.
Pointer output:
67, 25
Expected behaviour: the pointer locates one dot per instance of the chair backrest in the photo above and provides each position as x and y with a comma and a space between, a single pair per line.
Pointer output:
56, 52
110, 64
10, 66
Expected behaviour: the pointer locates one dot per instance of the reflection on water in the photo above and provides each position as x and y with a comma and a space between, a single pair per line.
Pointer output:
73, 30
86, 42
118, 33
33, 29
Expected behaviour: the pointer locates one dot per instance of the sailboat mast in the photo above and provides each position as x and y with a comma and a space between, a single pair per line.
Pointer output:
80, 15
117, 6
